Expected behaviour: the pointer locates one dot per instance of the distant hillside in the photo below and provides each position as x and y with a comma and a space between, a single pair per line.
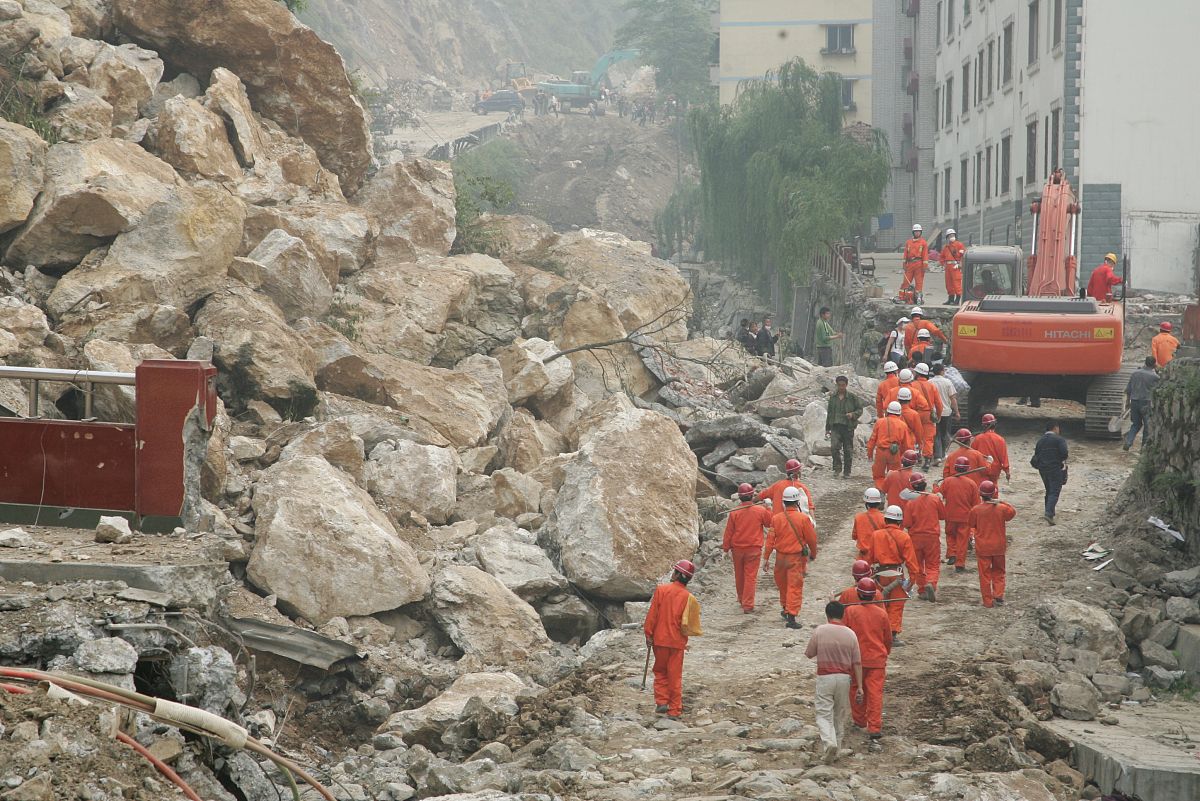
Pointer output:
464, 41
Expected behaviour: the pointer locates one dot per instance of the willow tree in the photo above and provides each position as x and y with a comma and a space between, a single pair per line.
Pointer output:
778, 177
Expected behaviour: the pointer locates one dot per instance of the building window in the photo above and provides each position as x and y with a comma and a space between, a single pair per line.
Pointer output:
966, 10
936, 193
946, 192
949, 19
979, 78
966, 88
937, 32
949, 101
1005, 164
1055, 122
1006, 54
1046, 150
848, 95
978, 178
1031, 149
1056, 26
839, 39
937, 108
987, 171
962, 183
1034, 8
991, 62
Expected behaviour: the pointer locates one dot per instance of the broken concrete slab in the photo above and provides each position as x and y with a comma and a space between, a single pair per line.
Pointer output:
193, 585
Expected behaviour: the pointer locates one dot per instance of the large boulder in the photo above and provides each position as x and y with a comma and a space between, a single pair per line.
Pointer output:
511, 555
411, 208
525, 442
626, 509
340, 366
131, 323
292, 76
426, 723
22, 165
192, 139
114, 402
125, 76
337, 234
484, 618
323, 547
335, 442
93, 191
80, 115
529, 371
406, 477
443, 402
1069, 622
179, 253
1075, 700
291, 275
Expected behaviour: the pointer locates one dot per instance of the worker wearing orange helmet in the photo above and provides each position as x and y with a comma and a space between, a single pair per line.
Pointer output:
774, 493
861, 569
994, 450
745, 532
986, 524
873, 628
1164, 345
794, 539
891, 380
916, 261
952, 255
919, 323
896, 481
889, 438
923, 516
892, 553
674, 615
961, 495
1103, 279
978, 462
865, 523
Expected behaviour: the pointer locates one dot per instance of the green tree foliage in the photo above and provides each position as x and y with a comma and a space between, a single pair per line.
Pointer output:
295, 6
485, 179
674, 36
779, 178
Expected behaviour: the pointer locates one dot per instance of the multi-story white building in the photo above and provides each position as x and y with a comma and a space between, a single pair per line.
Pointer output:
1027, 86
757, 36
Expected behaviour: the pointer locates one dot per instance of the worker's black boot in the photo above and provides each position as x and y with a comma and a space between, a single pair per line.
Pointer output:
791, 622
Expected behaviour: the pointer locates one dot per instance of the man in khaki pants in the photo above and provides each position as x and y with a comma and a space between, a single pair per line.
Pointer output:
835, 647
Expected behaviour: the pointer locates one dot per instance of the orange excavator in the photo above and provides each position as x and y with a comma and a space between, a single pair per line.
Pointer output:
1034, 334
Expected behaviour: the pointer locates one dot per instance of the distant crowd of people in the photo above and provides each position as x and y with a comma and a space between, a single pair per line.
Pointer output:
758, 340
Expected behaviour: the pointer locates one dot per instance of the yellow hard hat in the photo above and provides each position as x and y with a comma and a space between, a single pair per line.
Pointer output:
1111, 257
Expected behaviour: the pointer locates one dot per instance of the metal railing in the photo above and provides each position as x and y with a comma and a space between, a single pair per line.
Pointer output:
85, 379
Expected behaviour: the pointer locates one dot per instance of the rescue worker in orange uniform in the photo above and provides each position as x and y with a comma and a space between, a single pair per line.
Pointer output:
861, 569
891, 380
889, 439
674, 615
978, 462
865, 523
917, 352
875, 641
794, 539
1164, 345
961, 495
994, 450
952, 254
775, 492
929, 426
892, 554
910, 415
919, 323
896, 481
1103, 279
916, 262
745, 530
922, 518
986, 524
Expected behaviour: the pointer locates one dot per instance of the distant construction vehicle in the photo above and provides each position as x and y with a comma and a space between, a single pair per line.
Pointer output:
1032, 334
584, 87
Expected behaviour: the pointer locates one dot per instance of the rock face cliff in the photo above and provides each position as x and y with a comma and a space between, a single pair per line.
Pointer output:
464, 41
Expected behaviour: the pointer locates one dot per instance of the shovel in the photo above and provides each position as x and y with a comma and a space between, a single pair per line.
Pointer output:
1114, 422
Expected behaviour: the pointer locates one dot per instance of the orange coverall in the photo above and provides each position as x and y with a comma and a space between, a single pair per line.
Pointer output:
891, 547
912, 418
910, 333
791, 531
881, 394
952, 255
916, 262
986, 524
976, 459
893, 483
961, 495
888, 431
664, 628
989, 443
775, 493
870, 624
1163, 348
744, 533
929, 424
922, 518
1103, 279
865, 524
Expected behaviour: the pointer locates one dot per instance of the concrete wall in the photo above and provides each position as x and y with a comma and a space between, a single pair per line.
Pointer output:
759, 35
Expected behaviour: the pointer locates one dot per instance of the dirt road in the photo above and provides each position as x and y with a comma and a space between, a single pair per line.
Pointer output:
748, 687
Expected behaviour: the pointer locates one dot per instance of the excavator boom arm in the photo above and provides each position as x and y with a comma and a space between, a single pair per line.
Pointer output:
1052, 263
607, 60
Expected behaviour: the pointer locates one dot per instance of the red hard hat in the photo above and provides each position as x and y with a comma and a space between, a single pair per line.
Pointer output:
987, 489
962, 435
866, 588
792, 466
1165, 326
909, 458
989, 419
916, 479
685, 567
745, 489
860, 569
962, 464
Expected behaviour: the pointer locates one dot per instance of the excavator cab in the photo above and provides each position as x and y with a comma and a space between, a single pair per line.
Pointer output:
993, 270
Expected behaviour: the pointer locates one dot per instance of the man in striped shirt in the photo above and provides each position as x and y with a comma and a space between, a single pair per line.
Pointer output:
835, 647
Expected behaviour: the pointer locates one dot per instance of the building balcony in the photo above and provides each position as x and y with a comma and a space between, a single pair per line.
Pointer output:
838, 51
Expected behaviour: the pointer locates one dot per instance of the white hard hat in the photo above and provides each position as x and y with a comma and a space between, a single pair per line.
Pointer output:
917, 227
906, 376
922, 368
791, 495
903, 320
917, 310
950, 232
894, 408
872, 495
905, 394
924, 334
890, 367
893, 512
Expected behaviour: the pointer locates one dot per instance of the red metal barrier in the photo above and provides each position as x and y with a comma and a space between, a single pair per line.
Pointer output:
66, 463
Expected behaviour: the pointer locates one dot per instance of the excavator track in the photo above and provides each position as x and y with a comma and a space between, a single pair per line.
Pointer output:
1106, 400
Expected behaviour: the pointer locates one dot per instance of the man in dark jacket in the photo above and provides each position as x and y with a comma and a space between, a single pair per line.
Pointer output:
841, 418
1139, 391
767, 339
1050, 460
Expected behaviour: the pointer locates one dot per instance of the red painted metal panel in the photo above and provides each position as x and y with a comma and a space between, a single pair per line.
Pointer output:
67, 463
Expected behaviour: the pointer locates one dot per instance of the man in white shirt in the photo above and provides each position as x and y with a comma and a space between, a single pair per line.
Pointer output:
946, 389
